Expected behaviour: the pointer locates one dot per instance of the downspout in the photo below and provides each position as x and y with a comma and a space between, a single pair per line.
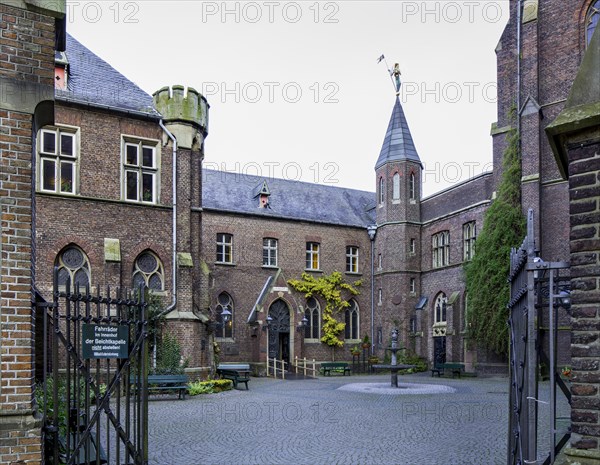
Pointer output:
519, 9
174, 234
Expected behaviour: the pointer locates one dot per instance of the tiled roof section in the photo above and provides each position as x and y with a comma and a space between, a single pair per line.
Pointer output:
398, 143
235, 193
458, 197
93, 81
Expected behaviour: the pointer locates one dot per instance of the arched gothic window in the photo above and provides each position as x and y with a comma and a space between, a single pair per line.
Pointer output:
396, 187
224, 328
591, 21
312, 330
148, 271
439, 309
73, 264
352, 329
381, 190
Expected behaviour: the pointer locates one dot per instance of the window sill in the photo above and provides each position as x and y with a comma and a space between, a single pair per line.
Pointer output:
396, 201
310, 270
353, 273
413, 202
312, 341
225, 263
271, 267
224, 339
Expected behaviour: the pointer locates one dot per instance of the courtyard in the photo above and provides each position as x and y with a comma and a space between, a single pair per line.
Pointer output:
455, 421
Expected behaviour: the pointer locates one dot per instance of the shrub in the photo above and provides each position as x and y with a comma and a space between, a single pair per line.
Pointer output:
169, 357
209, 387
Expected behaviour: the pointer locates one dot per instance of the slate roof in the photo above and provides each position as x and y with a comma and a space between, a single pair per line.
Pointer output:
235, 193
93, 81
398, 143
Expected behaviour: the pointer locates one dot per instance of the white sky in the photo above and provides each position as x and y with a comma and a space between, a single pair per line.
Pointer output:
295, 89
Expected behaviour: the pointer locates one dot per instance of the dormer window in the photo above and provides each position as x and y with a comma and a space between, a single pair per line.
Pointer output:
263, 193
60, 71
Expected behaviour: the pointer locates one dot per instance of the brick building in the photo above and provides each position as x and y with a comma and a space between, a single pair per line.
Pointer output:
120, 197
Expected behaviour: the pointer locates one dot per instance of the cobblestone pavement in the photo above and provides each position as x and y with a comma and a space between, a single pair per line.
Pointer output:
312, 422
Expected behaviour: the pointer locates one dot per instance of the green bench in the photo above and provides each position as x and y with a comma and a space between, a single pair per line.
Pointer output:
234, 376
455, 368
236, 372
328, 367
161, 383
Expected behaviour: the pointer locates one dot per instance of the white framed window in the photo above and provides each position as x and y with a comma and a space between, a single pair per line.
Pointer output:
74, 267
224, 329
379, 262
58, 160
413, 246
396, 187
224, 248
380, 296
351, 317
591, 21
148, 271
269, 251
440, 244
140, 170
412, 191
413, 285
469, 237
351, 259
439, 309
312, 256
381, 191
312, 330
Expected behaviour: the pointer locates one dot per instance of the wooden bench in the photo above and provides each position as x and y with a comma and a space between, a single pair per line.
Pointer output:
328, 367
161, 383
236, 372
455, 368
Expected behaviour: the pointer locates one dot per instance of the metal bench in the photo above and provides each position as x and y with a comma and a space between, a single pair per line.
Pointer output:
328, 367
160, 383
455, 368
234, 376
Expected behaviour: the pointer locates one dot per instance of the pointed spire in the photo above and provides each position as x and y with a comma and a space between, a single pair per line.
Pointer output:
398, 143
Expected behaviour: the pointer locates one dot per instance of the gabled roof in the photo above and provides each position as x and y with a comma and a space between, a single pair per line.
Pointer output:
235, 193
398, 143
93, 81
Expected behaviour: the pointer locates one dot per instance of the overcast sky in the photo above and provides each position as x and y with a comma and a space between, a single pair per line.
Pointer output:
295, 88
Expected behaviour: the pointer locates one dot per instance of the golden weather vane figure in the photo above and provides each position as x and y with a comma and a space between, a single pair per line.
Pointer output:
394, 74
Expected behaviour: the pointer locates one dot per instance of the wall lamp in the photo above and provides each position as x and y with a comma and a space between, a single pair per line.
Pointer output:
268, 325
302, 325
226, 314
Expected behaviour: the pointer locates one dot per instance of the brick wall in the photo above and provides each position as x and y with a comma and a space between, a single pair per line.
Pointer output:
244, 280
26, 70
584, 185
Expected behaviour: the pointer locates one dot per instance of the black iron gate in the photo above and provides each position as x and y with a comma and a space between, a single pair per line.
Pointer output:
94, 392
536, 291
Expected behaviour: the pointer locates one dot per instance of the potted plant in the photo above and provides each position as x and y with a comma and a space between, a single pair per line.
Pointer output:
355, 350
366, 342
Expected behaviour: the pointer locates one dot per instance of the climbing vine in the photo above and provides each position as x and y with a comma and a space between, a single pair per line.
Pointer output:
331, 289
486, 275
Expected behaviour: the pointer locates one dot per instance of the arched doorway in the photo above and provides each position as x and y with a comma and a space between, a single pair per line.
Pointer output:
279, 331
